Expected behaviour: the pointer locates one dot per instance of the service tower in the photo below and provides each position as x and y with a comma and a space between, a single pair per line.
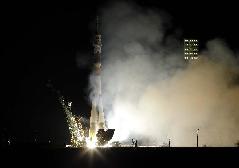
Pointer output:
97, 120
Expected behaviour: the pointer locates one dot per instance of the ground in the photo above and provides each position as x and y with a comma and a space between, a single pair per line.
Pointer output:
118, 157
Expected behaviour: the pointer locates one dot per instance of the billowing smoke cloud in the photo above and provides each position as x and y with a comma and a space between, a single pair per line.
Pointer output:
150, 93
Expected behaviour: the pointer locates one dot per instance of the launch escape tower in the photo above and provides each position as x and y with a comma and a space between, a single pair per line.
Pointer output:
190, 49
97, 120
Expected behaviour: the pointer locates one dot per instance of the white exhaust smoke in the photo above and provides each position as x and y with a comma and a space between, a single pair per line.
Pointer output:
150, 91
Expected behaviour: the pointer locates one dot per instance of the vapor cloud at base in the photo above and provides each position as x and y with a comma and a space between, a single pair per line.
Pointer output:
151, 93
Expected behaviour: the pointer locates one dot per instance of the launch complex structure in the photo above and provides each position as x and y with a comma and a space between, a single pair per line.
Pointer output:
98, 135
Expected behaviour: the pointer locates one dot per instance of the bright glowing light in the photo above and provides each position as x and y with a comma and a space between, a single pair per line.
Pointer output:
123, 120
74, 124
91, 143
120, 124
69, 104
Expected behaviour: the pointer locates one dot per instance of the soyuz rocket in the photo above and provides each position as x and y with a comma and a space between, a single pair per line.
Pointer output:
97, 120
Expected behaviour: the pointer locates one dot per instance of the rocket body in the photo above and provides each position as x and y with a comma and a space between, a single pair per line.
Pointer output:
97, 120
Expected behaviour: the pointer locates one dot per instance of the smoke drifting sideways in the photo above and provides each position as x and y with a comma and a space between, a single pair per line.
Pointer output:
152, 94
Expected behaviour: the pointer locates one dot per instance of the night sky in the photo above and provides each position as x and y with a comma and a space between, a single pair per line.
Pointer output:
42, 42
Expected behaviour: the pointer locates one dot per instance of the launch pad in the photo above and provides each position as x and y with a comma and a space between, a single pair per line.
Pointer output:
104, 137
